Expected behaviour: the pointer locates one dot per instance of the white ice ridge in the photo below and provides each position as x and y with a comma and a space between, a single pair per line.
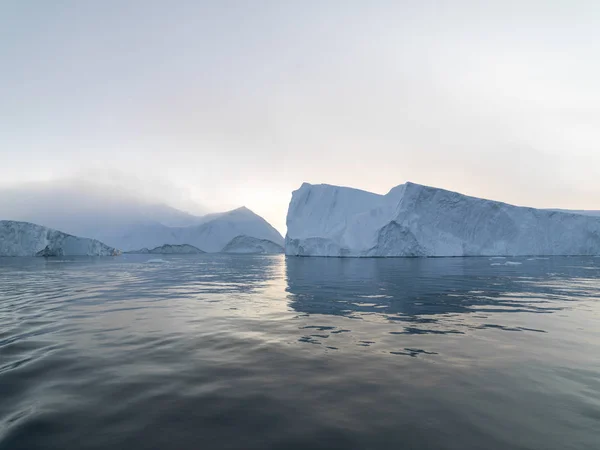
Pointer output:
416, 220
28, 239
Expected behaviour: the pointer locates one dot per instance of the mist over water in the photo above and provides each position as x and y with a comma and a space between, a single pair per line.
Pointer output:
217, 351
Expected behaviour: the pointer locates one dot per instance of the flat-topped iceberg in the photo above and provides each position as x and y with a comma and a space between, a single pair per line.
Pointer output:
28, 239
416, 220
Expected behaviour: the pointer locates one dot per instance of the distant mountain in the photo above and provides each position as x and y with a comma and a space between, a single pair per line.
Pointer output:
168, 249
28, 239
125, 221
211, 235
250, 245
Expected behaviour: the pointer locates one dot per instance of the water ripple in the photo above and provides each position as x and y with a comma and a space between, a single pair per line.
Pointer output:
268, 352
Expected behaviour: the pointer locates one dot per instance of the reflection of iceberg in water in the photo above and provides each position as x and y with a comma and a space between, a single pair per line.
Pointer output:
412, 289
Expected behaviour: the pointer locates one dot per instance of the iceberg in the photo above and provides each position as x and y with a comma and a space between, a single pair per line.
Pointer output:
168, 249
217, 230
412, 220
251, 245
211, 234
28, 239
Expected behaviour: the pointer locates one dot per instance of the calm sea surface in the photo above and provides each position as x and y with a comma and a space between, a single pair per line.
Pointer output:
264, 352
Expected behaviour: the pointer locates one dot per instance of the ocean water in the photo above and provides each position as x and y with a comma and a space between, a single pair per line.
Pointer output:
264, 352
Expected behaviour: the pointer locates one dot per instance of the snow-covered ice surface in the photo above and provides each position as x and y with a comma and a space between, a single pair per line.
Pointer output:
578, 211
248, 244
28, 239
416, 220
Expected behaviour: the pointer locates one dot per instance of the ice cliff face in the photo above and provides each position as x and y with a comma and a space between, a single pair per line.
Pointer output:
168, 249
247, 244
28, 239
415, 220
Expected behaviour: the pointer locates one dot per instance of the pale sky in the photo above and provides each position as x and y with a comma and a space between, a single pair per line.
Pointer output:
238, 102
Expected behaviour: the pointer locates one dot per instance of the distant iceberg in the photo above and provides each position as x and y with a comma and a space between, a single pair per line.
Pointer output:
251, 245
416, 220
122, 220
209, 233
28, 239
169, 249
